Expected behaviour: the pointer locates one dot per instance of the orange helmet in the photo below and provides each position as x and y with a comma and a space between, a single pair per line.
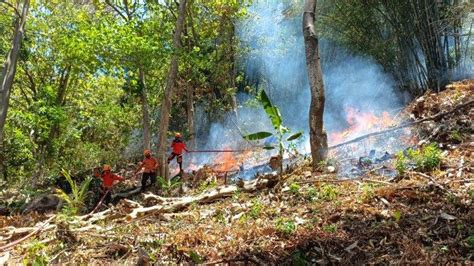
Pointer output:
177, 135
106, 167
147, 152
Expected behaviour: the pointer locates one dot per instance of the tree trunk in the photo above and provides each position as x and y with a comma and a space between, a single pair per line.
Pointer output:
317, 133
190, 115
170, 84
233, 70
145, 112
428, 33
127, 16
171, 204
8, 74
49, 152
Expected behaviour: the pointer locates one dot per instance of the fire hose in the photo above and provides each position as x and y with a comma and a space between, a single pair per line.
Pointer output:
101, 201
216, 151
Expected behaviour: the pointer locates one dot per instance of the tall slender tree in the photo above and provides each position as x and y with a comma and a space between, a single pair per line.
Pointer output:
169, 89
8, 75
127, 10
145, 112
317, 133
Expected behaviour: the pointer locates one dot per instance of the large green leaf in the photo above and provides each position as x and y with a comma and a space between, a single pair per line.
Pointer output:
295, 136
275, 116
64, 196
84, 189
258, 136
272, 111
264, 100
74, 188
269, 147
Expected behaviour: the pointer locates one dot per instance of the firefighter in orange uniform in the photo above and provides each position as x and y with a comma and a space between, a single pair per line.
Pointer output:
149, 166
178, 148
108, 179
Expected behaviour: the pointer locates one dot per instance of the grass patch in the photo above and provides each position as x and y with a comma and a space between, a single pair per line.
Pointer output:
328, 192
295, 189
285, 226
330, 228
256, 209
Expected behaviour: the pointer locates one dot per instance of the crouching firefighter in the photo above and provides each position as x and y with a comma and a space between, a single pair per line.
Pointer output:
108, 179
149, 165
178, 148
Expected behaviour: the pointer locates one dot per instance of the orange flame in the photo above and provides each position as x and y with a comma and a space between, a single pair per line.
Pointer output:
361, 123
225, 162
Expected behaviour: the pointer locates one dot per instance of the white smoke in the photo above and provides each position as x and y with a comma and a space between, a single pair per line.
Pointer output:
274, 57
277, 57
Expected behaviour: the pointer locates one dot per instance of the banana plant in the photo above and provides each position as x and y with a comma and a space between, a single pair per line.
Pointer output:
168, 186
75, 202
282, 133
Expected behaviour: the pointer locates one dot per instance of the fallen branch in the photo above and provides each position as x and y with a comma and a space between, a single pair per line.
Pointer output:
230, 261
388, 130
327, 181
361, 179
94, 217
459, 181
98, 204
431, 179
377, 181
58, 254
172, 204
36, 231
124, 195
217, 151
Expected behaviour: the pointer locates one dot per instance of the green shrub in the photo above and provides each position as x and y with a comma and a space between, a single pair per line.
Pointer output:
330, 228
236, 195
470, 241
311, 194
206, 186
36, 254
256, 209
220, 216
455, 136
367, 192
401, 163
285, 226
328, 192
426, 159
397, 215
295, 189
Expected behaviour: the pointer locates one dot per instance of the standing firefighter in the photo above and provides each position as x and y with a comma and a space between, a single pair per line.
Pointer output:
108, 179
149, 166
178, 148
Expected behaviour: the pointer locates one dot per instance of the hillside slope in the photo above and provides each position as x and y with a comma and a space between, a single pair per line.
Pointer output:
423, 216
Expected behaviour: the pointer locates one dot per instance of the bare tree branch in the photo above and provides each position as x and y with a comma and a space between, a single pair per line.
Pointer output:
15, 9
116, 9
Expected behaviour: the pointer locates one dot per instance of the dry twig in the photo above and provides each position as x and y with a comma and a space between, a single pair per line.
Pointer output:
36, 231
